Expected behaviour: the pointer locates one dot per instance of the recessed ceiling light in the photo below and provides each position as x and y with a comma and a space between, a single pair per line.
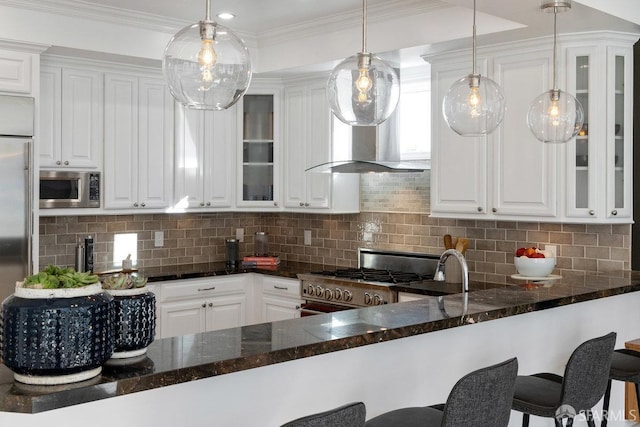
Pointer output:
226, 15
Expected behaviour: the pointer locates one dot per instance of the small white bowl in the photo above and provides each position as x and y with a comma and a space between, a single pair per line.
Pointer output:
534, 267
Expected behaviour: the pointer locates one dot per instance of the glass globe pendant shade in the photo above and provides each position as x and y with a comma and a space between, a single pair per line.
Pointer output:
207, 66
555, 116
363, 90
473, 106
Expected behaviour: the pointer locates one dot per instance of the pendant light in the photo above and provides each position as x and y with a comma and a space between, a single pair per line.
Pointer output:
555, 116
206, 65
363, 90
474, 105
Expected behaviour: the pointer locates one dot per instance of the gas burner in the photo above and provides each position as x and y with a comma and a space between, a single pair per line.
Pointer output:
375, 275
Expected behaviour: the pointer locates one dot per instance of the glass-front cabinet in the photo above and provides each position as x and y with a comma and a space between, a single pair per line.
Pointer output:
598, 179
258, 151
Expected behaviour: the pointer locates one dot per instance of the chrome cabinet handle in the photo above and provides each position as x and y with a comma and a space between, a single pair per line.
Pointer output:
281, 288
210, 304
301, 204
306, 205
201, 204
592, 212
206, 289
275, 204
135, 205
143, 205
479, 208
58, 163
614, 212
298, 307
494, 210
208, 203
66, 162
204, 305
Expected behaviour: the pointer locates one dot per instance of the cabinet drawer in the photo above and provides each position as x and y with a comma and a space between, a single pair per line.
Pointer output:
281, 286
193, 288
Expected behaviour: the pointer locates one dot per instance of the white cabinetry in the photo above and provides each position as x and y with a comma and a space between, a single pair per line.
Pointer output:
280, 298
510, 175
205, 155
201, 305
259, 149
599, 160
16, 70
307, 142
71, 117
138, 142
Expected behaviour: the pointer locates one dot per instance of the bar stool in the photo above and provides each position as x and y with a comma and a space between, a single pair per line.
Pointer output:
582, 386
350, 415
479, 399
625, 366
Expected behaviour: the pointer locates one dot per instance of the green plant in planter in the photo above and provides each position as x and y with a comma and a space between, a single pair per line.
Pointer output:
123, 281
54, 277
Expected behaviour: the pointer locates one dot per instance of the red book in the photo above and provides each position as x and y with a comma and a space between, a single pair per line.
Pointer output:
269, 260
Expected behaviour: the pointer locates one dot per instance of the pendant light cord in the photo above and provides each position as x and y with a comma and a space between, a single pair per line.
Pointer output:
364, 26
555, 45
474, 38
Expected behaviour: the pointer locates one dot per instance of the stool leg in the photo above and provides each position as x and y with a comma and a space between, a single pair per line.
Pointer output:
558, 422
590, 421
525, 419
569, 422
605, 405
638, 402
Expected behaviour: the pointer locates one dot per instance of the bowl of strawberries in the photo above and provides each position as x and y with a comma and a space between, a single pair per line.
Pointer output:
534, 262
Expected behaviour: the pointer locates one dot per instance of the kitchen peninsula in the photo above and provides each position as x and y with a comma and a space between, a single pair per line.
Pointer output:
402, 354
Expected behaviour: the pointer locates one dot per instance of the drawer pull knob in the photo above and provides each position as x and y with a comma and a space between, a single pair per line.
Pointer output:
206, 289
282, 288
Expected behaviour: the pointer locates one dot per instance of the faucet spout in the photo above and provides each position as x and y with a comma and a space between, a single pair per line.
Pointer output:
439, 275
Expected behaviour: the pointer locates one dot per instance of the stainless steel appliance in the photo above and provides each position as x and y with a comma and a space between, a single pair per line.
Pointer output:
69, 189
367, 285
16, 132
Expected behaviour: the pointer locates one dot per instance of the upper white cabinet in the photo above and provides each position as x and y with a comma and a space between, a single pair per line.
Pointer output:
259, 149
599, 160
16, 70
307, 142
138, 142
71, 117
205, 158
510, 175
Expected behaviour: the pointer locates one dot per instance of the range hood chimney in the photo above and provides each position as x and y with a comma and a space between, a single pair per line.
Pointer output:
373, 149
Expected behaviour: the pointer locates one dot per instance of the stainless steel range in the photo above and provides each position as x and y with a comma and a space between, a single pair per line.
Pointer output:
367, 285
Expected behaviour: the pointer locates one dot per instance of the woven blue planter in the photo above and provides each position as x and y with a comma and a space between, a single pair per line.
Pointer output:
57, 336
135, 321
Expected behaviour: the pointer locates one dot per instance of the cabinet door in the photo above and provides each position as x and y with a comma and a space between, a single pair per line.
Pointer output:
274, 308
189, 158
155, 144
121, 142
49, 143
226, 312
182, 318
618, 132
458, 169
82, 111
15, 71
295, 140
524, 169
219, 150
318, 148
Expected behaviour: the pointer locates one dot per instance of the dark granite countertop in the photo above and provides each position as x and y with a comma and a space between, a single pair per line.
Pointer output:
192, 357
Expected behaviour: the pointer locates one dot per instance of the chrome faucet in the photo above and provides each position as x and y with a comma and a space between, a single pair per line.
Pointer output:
439, 275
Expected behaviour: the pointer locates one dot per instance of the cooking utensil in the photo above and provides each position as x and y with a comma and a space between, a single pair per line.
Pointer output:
448, 244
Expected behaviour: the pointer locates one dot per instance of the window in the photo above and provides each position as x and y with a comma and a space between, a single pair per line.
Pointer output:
414, 113
123, 245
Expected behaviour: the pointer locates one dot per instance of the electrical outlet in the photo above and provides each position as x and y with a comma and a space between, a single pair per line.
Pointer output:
553, 249
240, 234
158, 239
307, 237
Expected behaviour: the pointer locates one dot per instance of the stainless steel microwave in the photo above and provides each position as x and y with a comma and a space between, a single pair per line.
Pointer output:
69, 189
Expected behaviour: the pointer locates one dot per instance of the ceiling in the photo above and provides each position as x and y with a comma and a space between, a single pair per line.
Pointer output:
408, 28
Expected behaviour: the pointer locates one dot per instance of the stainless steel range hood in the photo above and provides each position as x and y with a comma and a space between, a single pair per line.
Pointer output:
373, 149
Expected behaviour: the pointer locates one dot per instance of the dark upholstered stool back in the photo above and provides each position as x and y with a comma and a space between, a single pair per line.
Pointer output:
351, 415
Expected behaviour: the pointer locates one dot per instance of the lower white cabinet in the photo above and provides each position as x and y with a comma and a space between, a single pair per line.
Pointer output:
191, 306
280, 298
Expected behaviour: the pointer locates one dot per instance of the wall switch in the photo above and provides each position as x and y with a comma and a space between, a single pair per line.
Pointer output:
307, 237
553, 249
158, 239
240, 234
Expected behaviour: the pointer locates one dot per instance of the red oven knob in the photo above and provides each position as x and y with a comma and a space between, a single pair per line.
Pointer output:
328, 294
348, 296
338, 294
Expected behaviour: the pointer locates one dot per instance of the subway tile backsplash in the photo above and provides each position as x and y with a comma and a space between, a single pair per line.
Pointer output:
195, 238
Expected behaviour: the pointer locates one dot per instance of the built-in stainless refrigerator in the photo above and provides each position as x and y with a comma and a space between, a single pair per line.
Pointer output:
16, 133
